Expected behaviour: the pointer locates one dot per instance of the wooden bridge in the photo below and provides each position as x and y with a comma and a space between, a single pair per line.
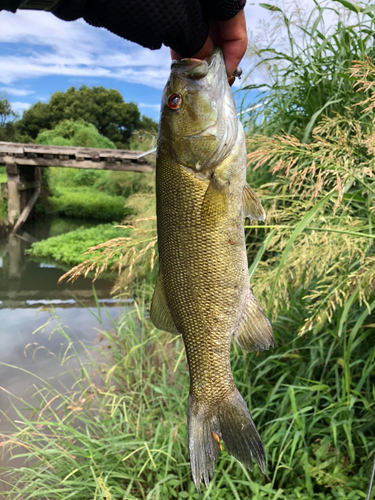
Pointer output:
22, 162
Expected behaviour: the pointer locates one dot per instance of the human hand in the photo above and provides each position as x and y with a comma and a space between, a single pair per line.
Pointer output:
230, 35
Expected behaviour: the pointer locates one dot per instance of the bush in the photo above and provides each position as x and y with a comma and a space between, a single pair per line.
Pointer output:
69, 248
127, 183
74, 133
87, 177
88, 203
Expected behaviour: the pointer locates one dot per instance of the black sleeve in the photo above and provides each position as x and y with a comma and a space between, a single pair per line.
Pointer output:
222, 10
11, 5
179, 24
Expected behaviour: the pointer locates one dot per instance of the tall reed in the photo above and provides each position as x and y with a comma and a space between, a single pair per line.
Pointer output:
119, 430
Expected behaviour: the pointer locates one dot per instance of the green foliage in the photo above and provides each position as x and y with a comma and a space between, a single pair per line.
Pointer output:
3, 175
88, 203
3, 210
303, 65
127, 183
55, 180
8, 128
143, 141
320, 207
121, 433
103, 108
69, 248
111, 182
74, 133
6, 112
149, 125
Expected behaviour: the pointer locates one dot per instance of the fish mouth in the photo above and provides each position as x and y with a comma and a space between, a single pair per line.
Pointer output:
197, 69
209, 78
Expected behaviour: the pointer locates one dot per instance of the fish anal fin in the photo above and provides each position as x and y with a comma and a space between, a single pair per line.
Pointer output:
251, 205
254, 332
215, 200
160, 313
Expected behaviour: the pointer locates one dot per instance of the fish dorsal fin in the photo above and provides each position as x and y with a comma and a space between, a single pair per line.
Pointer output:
215, 200
160, 313
255, 331
251, 205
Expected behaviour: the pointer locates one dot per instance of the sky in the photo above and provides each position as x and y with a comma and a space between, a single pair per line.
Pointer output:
40, 54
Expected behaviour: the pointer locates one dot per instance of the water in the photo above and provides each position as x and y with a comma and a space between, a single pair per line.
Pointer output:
27, 290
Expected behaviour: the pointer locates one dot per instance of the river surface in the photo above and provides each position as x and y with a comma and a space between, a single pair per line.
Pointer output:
31, 306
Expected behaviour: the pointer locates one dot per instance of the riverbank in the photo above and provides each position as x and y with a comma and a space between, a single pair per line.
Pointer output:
122, 432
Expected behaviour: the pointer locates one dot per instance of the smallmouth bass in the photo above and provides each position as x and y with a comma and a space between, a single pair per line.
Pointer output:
203, 290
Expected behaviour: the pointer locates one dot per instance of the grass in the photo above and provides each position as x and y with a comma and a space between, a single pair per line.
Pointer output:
300, 62
3, 202
328, 186
119, 432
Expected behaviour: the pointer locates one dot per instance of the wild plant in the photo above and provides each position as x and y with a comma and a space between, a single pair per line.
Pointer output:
132, 254
321, 210
300, 61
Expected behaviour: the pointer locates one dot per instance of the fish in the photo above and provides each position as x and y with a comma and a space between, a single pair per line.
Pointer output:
202, 291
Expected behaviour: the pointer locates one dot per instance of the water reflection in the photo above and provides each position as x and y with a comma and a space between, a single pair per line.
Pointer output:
27, 289
25, 282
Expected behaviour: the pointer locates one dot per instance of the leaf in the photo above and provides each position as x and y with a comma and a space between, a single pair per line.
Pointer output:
260, 253
298, 230
273, 8
350, 6
311, 123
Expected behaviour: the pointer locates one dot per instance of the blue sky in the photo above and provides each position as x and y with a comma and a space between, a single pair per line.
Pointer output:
39, 54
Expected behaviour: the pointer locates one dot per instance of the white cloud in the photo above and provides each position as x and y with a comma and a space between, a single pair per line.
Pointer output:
16, 91
54, 47
18, 107
155, 107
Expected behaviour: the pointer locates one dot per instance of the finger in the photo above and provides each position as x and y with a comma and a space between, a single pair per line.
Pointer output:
174, 55
233, 40
203, 53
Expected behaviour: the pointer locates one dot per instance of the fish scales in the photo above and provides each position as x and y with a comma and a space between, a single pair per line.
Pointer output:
203, 290
205, 304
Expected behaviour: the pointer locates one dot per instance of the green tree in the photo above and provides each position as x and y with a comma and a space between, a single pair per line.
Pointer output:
74, 133
148, 125
104, 108
8, 128
6, 111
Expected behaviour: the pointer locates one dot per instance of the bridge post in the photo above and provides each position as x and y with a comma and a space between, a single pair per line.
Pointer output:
23, 190
15, 257
14, 202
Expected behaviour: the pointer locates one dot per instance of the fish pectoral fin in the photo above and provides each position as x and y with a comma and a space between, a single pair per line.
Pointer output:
251, 205
255, 331
215, 200
160, 313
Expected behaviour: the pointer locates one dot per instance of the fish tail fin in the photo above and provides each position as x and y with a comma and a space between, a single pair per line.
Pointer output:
230, 421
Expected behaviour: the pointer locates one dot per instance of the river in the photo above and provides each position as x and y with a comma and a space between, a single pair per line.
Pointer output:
28, 291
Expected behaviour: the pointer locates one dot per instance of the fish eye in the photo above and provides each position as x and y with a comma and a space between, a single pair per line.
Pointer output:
174, 101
